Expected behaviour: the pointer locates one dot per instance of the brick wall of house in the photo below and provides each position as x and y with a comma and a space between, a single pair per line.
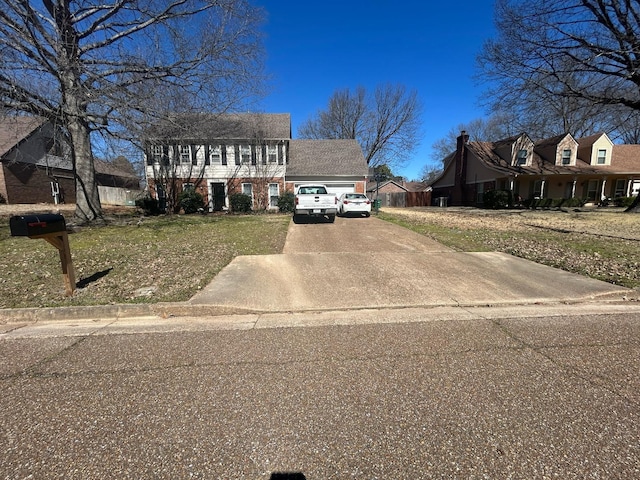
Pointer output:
28, 183
260, 189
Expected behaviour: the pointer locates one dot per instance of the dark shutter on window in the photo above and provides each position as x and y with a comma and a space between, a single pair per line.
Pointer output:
223, 154
194, 155
253, 154
207, 155
237, 154
280, 154
165, 155
264, 154
148, 151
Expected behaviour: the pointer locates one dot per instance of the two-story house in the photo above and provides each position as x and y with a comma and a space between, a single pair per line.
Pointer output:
250, 153
590, 168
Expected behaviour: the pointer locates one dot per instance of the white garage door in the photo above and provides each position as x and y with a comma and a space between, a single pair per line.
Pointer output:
340, 188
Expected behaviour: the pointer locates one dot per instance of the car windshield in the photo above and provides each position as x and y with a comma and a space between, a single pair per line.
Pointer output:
312, 190
354, 196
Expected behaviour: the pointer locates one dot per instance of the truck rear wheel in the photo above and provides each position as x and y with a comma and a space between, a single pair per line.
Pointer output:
332, 218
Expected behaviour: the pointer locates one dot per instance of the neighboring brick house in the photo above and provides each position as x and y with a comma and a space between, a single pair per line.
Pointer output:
251, 153
590, 168
36, 166
398, 185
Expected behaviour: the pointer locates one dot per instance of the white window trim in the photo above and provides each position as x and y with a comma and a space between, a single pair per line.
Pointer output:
272, 153
276, 195
520, 157
215, 154
157, 151
184, 154
245, 151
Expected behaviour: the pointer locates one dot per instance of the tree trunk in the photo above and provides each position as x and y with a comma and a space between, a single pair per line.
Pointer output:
88, 207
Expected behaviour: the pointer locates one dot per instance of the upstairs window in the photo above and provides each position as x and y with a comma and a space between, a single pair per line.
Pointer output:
522, 157
566, 157
245, 153
157, 152
272, 153
184, 153
602, 157
215, 153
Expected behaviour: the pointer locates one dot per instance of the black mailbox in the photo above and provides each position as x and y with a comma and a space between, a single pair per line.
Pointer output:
39, 224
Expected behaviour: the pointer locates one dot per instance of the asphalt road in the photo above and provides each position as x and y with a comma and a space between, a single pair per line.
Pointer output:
520, 390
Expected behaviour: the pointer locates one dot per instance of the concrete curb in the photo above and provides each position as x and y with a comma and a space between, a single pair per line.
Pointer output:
184, 309
102, 312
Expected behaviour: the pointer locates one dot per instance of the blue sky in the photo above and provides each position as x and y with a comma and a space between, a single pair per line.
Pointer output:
317, 47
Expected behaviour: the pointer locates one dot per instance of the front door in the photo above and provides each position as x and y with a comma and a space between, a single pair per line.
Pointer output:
217, 196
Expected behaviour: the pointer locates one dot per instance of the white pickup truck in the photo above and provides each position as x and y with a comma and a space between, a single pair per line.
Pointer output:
313, 200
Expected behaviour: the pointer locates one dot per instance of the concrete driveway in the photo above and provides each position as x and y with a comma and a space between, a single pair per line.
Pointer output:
368, 263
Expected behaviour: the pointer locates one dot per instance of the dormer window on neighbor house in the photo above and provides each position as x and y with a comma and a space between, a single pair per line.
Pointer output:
566, 156
521, 159
602, 156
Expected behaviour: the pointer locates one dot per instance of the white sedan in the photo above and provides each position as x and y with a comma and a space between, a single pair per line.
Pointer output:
354, 203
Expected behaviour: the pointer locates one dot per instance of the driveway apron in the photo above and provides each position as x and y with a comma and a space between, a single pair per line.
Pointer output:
368, 263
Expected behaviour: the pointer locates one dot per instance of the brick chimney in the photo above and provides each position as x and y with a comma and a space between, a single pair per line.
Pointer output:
458, 197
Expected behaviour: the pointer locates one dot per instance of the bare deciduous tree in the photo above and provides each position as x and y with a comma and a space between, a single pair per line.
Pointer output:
479, 130
385, 124
104, 67
583, 49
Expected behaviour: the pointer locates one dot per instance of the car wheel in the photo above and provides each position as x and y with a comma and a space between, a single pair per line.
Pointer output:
332, 218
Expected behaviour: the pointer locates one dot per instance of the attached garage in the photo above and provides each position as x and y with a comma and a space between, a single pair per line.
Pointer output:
332, 187
338, 164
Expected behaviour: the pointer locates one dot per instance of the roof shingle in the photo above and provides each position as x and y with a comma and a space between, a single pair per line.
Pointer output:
326, 157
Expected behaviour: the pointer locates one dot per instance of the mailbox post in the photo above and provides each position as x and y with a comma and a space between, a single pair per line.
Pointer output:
52, 228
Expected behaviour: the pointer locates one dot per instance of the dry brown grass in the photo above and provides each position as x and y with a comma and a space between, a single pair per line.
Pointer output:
602, 243
131, 259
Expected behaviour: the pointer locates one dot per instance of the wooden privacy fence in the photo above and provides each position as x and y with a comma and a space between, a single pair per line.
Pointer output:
404, 199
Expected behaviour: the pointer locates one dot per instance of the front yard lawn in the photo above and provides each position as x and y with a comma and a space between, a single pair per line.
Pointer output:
132, 260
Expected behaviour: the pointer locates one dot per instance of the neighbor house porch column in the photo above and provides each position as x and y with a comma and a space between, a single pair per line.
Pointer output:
543, 185
602, 190
573, 187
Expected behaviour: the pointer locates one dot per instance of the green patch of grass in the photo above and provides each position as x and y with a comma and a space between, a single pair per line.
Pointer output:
172, 257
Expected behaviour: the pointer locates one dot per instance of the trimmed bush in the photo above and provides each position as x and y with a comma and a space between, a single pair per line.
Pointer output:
495, 199
618, 201
240, 203
286, 202
191, 201
148, 205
